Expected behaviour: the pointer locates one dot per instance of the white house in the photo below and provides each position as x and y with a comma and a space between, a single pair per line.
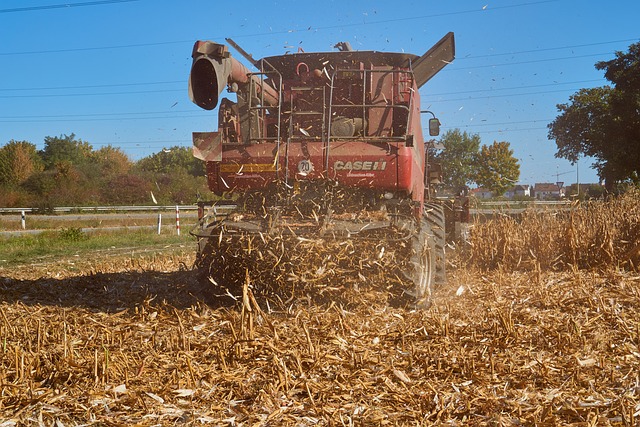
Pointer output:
523, 190
481, 193
548, 191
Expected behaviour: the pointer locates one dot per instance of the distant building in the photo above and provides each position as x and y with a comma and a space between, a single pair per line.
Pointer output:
548, 191
592, 190
523, 190
481, 193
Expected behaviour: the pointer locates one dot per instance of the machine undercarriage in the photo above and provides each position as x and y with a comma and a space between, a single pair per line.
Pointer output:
322, 240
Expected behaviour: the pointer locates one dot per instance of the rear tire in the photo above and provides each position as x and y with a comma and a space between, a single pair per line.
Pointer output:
424, 261
435, 217
218, 270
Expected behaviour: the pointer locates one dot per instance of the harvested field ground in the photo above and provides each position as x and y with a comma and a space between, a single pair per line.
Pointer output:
135, 340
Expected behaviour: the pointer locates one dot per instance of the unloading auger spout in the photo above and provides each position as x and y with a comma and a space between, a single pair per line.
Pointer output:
214, 68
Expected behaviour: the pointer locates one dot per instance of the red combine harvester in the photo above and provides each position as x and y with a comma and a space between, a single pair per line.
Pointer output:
323, 147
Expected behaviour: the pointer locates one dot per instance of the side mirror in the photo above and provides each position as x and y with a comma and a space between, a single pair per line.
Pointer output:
434, 127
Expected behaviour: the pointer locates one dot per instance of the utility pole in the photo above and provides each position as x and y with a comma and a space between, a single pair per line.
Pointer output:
578, 175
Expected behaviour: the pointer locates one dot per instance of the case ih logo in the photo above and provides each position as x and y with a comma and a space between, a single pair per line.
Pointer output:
340, 165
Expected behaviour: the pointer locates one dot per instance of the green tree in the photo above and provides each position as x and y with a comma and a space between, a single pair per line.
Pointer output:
176, 175
69, 177
13, 198
458, 158
603, 122
111, 161
68, 172
18, 161
170, 160
65, 148
62, 185
128, 189
497, 168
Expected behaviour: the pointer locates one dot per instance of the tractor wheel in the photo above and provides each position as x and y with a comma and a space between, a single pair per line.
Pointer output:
422, 265
434, 215
220, 276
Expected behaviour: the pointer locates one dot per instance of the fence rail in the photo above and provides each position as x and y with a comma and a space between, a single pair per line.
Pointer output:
481, 209
68, 209
480, 204
484, 203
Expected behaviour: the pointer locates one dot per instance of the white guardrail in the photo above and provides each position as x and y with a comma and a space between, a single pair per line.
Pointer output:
155, 208
482, 208
483, 203
89, 209
98, 211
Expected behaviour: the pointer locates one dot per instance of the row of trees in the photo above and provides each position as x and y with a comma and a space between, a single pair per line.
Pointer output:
465, 161
604, 122
69, 172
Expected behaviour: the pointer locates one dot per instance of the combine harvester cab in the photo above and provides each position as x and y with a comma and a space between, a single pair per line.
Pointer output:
321, 171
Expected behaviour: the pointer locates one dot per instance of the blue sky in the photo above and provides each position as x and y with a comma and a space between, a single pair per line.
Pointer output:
114, 72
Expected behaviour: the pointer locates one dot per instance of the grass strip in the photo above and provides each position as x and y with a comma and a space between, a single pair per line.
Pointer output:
73, 242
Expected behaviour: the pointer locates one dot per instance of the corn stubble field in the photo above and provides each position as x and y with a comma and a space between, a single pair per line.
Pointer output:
537, 325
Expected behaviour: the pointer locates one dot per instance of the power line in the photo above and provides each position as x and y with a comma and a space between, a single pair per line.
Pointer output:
169, 141
471, 98
91, 94
189, 114
66, 95
137, 45
64, 5
500, 130
57, 116
262, 34
168, 117
428, 94
512, 88
93, 86
183, 82
499, 123
8, 119
548, 49
411, 18
84, 49
533, 61
503, 130
180, 81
